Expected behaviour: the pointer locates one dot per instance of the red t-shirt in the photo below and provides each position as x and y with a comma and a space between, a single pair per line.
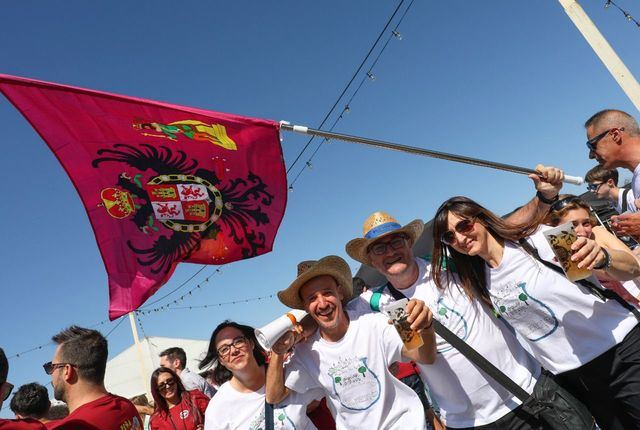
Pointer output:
406, 369
181, 416
109, 412
26, 424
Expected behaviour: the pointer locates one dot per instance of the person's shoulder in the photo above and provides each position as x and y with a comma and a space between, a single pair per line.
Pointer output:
26, 424
198, 395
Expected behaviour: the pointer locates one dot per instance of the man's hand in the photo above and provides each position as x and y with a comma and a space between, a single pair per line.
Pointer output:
548, 180
587, 253
420, 316
627, 224
285, 343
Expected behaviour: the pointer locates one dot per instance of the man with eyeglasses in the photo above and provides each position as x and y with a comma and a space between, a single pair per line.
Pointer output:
614, 141
5, 390
77, 376
466, 396
604, 184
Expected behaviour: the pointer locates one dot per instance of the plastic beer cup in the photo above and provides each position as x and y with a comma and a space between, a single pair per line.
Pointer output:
397, 313
560, 239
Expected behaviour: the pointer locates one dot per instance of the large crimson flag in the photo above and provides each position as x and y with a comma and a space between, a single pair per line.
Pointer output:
161, 183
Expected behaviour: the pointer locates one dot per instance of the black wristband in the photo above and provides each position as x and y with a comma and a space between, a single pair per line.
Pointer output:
606, 263
545, 200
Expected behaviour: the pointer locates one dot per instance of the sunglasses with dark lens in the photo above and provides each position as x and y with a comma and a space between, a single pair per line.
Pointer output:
381, 247
594, 186
463, 226
49, 367
237, 343
593, 142
5, 390
166, 384
563, 203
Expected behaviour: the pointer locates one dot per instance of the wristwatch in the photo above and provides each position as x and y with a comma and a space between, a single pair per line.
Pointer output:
545, 200
606, 263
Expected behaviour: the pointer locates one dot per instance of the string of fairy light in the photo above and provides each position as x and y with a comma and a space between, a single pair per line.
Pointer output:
626, 14
367, 76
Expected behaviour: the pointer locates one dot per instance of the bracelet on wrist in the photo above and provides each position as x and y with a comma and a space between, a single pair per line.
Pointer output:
606, 263
546, 200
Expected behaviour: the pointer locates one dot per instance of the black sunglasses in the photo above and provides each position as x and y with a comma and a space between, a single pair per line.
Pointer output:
463, 226
593, 142
5, 390
49, 367
166, 384
594, 186
563, 203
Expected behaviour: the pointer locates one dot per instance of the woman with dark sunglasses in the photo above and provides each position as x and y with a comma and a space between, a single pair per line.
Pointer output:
240, 370
175, 407
591, 345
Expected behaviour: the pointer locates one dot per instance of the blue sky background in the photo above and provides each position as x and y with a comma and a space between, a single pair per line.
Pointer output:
510, 81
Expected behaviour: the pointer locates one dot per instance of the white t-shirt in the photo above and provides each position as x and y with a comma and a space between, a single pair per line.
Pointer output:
564, 325
231, 409
467, 396
635, 182
353, 372
631, 201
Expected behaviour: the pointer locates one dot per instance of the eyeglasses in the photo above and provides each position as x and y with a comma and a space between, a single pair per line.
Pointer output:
237, 343
49, 367
593, 142
380, 248
5, 390
166, 384
594, 186
463, 226
561, 204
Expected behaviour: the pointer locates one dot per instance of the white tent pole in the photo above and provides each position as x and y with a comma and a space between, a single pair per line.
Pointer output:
143, 369
603, 50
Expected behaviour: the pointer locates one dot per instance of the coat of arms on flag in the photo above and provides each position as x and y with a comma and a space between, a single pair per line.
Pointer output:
161, 183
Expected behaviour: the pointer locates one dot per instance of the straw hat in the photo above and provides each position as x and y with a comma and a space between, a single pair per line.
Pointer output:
379, 225
332, 265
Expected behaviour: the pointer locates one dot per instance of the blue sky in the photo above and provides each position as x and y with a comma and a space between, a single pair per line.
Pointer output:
501, 80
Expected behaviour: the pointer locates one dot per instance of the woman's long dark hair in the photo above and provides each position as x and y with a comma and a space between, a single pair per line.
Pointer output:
471, 270
161, 405
220, 373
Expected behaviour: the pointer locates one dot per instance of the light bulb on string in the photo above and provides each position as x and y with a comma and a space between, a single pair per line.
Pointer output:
607, 4
309, 165
397, 34
371, 76
347, 109
628, 16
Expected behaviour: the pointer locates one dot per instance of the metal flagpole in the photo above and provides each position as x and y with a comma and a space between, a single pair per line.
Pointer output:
576, 180
603, 50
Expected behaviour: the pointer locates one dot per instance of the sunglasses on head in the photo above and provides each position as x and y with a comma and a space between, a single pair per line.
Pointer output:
463, 226
563, 203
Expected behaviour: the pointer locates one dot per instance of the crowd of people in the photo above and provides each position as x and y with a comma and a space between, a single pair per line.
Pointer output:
533, 349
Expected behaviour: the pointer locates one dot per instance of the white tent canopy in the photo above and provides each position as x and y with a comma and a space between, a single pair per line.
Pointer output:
124, 372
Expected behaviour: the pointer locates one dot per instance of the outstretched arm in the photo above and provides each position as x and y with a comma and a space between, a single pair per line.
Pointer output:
275, 389
548, 184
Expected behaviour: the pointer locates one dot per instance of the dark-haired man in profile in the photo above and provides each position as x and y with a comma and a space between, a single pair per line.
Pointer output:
176, 359
77, 376
5, 391
31, 401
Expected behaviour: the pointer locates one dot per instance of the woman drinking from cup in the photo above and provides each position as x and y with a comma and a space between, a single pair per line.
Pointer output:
591, 345
175, 407
573, 209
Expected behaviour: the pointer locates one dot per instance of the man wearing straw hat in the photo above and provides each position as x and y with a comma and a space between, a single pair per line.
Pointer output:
466, 396
349, 354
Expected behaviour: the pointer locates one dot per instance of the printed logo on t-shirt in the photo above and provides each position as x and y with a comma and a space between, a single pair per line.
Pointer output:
355, 385
531, 317
454, 321
281, 420
132, 424
184, 414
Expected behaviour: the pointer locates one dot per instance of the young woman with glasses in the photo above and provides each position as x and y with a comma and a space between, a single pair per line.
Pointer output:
573, 209
175, 407
591, 345
240, 370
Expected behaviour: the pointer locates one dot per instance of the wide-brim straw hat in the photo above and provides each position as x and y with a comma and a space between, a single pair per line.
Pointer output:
332, 265
377, 226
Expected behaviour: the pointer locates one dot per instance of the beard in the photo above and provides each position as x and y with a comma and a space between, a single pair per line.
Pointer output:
58, 392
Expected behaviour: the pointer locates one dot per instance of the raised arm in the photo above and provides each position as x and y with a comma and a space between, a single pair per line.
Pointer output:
421, 320
275, 389
548, 184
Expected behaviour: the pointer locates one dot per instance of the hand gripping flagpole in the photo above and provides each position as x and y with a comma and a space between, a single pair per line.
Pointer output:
576, 180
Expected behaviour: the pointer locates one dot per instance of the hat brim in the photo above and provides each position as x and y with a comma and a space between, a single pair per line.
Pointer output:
357, 248
333, 266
